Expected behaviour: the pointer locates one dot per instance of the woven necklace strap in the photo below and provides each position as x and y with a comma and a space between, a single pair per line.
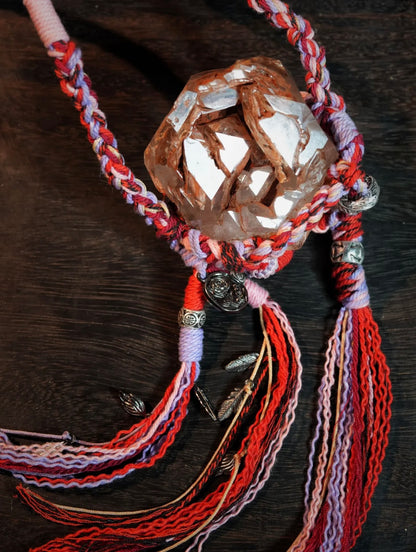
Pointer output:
257, 257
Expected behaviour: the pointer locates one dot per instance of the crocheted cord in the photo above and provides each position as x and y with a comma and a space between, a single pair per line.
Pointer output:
258, 257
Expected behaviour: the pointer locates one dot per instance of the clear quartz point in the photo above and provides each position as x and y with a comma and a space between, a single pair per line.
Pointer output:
240, 152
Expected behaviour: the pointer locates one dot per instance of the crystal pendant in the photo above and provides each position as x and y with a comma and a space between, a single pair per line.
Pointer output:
240, 152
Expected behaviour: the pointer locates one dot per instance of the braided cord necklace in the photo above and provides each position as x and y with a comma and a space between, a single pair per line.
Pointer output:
354, 397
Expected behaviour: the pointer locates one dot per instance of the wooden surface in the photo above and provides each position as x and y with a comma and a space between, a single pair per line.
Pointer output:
89, 296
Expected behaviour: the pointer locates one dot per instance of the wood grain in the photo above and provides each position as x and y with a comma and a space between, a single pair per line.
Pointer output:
89, 296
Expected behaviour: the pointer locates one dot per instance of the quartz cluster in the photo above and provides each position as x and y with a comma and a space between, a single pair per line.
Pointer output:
240, 152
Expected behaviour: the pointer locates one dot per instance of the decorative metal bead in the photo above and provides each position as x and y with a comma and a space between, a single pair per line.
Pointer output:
132, 404
347, 252
226, 465
242, 363
226, 291
362, 203
191, 319
205, 402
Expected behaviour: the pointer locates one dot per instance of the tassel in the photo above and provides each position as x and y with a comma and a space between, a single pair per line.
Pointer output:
190, 518
81, 464
346, 452
353, 438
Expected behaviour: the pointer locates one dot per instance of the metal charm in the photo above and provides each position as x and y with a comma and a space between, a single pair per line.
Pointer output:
191, 319
347, 252
241, 363
233, 401
132, 405
362, 203
226, 291
205, 402
226, 465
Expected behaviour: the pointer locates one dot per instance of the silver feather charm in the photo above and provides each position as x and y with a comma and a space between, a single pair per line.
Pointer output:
132, 404
233, 401
242, 362
205, 402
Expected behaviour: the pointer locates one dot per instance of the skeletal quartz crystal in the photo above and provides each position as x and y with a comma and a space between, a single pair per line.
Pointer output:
240, 152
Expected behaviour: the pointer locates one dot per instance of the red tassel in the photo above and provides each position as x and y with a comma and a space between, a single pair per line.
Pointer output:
377, 399
192, 517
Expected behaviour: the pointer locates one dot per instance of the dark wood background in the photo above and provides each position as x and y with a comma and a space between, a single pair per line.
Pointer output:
89, 296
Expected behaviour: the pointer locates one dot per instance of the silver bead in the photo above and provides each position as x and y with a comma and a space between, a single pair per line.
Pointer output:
362, 203
242, 363
205, 402
226, 465
191, 319
132, 404
226, 290
347, 252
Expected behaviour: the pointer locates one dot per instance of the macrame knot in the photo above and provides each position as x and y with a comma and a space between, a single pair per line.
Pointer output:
343, 128
67, 437
194, 294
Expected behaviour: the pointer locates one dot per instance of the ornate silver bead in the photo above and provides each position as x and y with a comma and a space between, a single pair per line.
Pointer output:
132, 404
347, 252
362, 203
226, 465
205, 402
226, 290
242, 363
191, 319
